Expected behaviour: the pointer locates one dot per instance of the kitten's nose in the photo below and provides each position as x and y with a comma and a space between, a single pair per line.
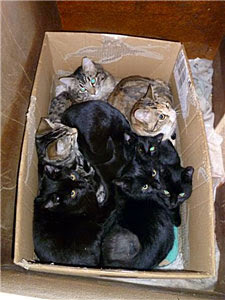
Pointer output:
92, 91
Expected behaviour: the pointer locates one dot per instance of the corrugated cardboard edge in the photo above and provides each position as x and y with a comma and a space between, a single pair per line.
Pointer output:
210, 180
88, 272
22, 165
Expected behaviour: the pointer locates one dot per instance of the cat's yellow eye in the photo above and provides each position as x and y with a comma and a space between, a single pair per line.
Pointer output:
73, 194
166, 192
73, 177
145, 187
162, 117
182, 194
154, 173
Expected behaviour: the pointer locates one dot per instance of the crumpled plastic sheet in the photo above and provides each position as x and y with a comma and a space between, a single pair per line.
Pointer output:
202, 71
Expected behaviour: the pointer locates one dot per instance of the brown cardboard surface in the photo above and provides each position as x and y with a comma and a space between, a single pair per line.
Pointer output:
122, 56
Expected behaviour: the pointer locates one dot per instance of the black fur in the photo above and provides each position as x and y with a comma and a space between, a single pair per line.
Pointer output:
147, 224
67, 230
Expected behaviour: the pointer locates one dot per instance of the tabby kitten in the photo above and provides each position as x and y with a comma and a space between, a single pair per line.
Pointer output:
89, 82
147, 104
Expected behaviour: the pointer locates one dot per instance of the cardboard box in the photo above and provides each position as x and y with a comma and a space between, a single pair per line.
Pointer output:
124, 56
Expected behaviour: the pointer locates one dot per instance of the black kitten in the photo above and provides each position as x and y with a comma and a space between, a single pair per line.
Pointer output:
66, 226
147, 224
176, 187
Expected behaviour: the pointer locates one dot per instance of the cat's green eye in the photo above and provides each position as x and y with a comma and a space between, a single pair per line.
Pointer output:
82, 89
73, 194
73, 177
93, 80
152, 148
154, 173
162, 117
166, 192
182, 194
145, 187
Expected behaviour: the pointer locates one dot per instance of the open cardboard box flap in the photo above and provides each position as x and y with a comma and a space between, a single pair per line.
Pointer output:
123, 56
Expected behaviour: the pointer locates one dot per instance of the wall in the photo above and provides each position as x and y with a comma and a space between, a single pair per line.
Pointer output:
198, 24
23, 25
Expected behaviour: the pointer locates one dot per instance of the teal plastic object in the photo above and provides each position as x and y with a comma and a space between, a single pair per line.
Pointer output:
172, 255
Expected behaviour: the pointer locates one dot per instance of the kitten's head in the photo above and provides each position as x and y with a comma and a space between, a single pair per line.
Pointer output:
142, 147
65, 191
176, 185
89, 82
147, 146
137, 183
150, 116
55, 142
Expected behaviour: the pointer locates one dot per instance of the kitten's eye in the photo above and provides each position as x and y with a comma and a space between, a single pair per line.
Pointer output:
152, 149
154, 173
182, 194
145, 187
166, 193
167, 105
73, 194
73, 177
82, 89
162, 117
93, 80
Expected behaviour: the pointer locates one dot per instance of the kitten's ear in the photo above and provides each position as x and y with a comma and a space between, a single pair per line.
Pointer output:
88, 66
129, 137
44, 127
142, 115
158, 138
67, 81
188, 173
52, 202
51, 171
149, 93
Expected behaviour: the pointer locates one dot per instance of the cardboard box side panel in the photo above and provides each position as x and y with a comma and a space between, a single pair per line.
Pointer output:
110, 273
133, 56
194, 152
28, 176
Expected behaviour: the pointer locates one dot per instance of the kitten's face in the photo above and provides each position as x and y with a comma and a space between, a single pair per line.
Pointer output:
176, 185
138, 183
142, 147
89, 82
148, 147
152, 118
67, 191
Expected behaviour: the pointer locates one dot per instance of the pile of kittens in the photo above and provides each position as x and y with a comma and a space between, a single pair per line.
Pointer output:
110, 180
